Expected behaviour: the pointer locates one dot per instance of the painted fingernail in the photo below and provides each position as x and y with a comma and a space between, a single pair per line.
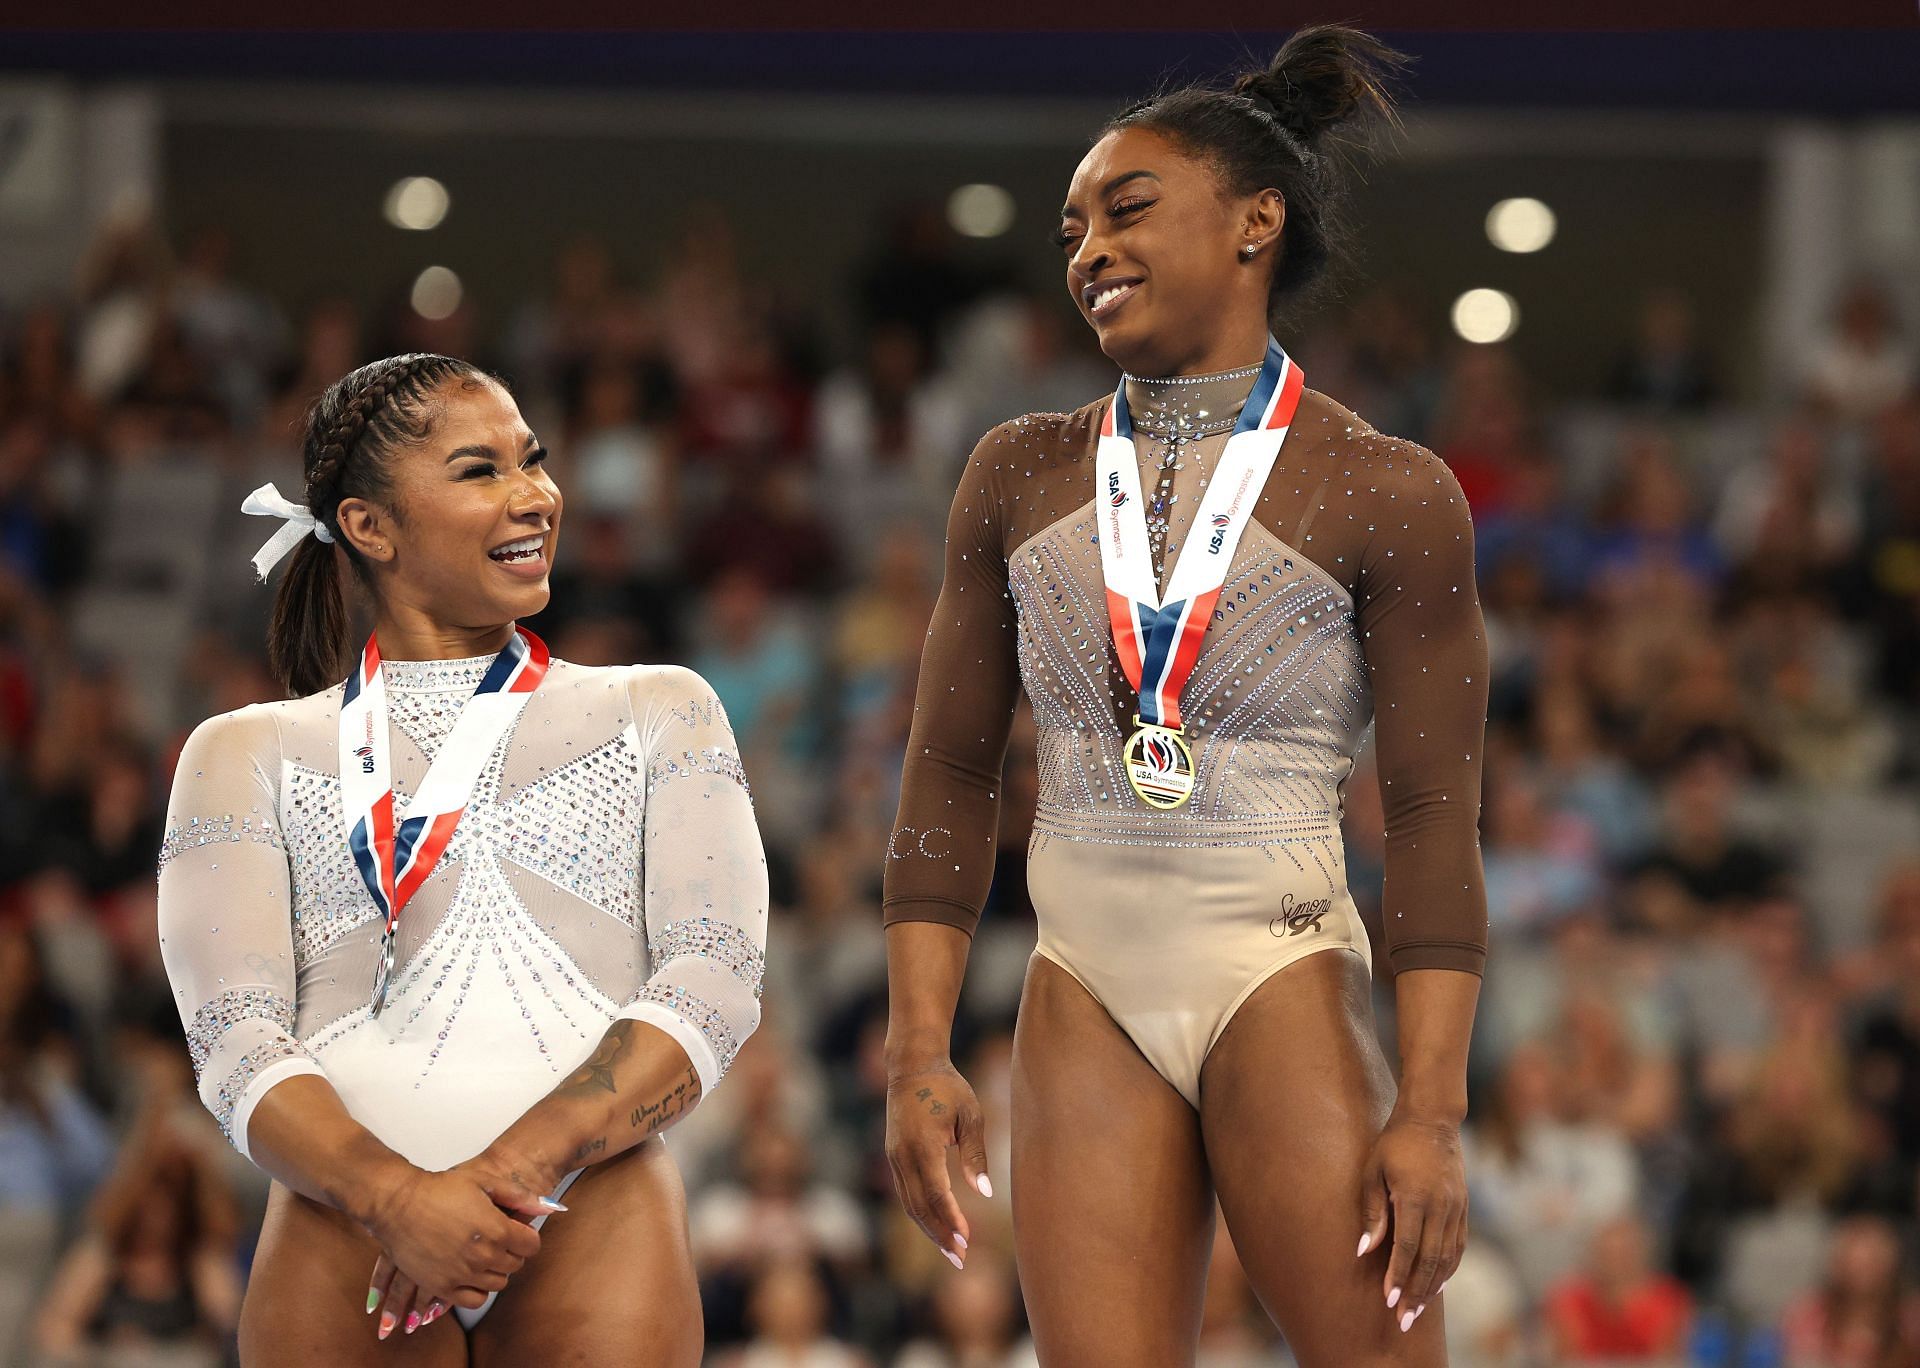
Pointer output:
953, 1258
413, 1321
1420, 1311
1366, 1243
550, 1204
386, 1324
373, 1299
986, 1188
960, 1239
1406, 1320
1438, 1290
1393, 1299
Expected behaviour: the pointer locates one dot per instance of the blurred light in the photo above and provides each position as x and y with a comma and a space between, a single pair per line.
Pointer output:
417, 203
436, 293
1520, 225
1485, 315
980, 211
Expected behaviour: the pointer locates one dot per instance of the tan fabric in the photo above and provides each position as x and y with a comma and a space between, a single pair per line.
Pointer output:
1371, 614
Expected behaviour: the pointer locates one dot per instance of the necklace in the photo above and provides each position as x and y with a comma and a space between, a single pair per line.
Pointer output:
1243, 373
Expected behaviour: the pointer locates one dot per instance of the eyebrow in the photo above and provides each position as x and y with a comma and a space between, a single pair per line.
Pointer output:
485, 452
1068, 211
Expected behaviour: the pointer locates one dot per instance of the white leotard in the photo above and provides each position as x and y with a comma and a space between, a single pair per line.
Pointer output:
607, 866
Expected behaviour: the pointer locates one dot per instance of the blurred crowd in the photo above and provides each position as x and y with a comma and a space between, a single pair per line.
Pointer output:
1695, 1134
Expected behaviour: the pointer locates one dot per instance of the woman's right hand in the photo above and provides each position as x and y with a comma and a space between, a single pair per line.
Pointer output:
447, 1237
931, 1109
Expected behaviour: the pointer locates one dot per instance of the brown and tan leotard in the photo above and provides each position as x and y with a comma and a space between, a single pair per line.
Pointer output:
1350, 597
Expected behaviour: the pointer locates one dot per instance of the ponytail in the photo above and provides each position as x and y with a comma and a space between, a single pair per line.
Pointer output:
309, 639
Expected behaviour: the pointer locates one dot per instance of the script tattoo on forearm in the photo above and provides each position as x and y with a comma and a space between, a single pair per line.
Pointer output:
597, 1073
654, 1116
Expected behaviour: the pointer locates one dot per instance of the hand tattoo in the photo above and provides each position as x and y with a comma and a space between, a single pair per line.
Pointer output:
935, 1107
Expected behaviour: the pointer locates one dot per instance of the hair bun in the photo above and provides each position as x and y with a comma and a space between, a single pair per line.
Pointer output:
1323, 78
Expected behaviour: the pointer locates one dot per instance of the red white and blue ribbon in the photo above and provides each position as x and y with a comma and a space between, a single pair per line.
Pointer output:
396, 858
1158, 640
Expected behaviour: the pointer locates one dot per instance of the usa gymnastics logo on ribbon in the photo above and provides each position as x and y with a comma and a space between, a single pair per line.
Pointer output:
395, 859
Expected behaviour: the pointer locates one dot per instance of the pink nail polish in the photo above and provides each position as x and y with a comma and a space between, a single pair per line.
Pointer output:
413, 1321
986, 1188
1419, 1310
386, 1324
1406, 1320
960, 1239
1366, 1242
953, 1258
1393, 1299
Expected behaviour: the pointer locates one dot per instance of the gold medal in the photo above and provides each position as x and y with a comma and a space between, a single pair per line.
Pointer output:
1159, 765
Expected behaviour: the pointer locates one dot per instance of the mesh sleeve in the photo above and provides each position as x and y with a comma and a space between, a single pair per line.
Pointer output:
940, 856
1426, 652
705, 875
226, 930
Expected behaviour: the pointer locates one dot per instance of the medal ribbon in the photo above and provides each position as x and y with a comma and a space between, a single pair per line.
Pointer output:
1158, 641
396, 859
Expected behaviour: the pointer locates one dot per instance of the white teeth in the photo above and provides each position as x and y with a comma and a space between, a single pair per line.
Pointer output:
516, 550
1107, 296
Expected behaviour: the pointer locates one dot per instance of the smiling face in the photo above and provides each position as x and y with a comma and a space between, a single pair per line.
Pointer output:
1156, 260
468, 537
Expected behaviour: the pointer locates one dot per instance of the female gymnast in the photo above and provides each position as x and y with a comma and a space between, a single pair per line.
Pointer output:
1207, 585
457, 938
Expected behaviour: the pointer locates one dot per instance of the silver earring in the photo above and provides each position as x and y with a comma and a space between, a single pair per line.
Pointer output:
1248, 251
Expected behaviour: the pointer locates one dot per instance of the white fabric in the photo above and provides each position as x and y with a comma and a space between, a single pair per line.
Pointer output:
269, 502
608, 865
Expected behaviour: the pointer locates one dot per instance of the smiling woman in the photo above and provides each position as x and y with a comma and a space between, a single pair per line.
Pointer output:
1208, 583
432, 926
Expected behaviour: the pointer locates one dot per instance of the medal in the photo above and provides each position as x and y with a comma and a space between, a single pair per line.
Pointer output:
1159, 765
1158, 640
395, 860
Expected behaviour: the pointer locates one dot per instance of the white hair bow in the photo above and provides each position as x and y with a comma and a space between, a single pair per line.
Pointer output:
268, 502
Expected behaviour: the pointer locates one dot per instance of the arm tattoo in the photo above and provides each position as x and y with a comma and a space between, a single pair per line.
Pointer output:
597, 1072
590, 1147
654, 1116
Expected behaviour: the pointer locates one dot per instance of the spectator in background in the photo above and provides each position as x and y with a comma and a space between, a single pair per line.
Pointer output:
234, 331
915, 277
1791, 520
1887, 579
1542, 1181
1665, 366
1620, 1309
1886, 1042
1864, 364
1485, 428
156, 1277
976, 1322
331, 343
891, 435
1866, 1312
54, 1146
788, 1310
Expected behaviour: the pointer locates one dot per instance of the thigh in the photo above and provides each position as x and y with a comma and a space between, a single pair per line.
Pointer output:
613, 1282
306, 1301
1292, 1098
1112, 1214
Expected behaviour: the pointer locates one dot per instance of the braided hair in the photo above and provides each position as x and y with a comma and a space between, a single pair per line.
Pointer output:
352, 433
1288, 128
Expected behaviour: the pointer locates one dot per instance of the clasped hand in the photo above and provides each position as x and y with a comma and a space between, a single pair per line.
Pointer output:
450, 1239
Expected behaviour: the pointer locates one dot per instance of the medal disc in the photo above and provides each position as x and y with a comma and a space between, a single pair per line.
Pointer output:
383, 971
1159, 766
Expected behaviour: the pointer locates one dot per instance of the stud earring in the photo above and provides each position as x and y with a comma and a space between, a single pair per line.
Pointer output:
1248, 251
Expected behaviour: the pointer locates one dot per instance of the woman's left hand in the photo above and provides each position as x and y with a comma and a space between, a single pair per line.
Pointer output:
1415, 1185
514, 1185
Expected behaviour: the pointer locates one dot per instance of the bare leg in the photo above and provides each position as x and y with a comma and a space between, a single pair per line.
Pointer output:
306, 1302
1113, 1218
613, 1282
1291, 1100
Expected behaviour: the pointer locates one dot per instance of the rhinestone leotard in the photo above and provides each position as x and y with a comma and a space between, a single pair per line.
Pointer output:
1350, 599
606, 866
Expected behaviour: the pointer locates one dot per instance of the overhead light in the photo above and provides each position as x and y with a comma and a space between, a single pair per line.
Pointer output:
417, 203
980, 211
436, 293
1520, 225
1485, 315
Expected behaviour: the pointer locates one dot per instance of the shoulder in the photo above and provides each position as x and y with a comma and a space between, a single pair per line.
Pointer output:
245, 735
663, 694
1036, 438
1400, 476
